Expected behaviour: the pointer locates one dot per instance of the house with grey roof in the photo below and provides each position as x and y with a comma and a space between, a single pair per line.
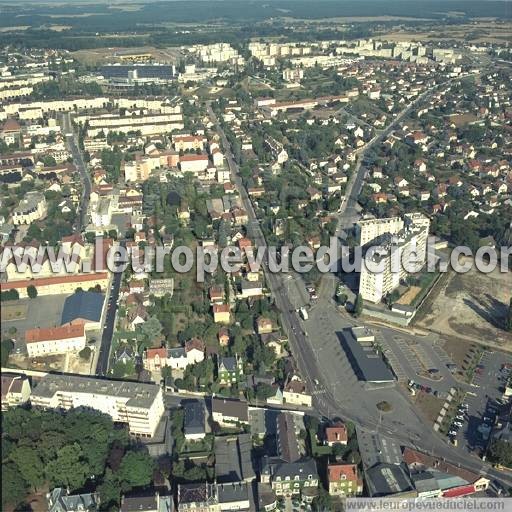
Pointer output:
233, 496
230, 370
298, 478
233, 459
228, 412
59, 500
388, 479
198, 496
193, 419
147, 502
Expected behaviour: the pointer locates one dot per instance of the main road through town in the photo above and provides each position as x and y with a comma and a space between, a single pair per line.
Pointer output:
78, 160
323, 382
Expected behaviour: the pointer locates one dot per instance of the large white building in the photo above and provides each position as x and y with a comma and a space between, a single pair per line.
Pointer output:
55, 340
370, 229
393, 241
139, 405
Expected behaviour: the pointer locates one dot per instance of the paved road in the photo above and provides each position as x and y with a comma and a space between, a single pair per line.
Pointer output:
108, 326
319, 378
72, 143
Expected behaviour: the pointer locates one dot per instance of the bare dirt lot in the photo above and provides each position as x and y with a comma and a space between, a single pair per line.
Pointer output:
429, 406
471, 306
15, 311
409, 295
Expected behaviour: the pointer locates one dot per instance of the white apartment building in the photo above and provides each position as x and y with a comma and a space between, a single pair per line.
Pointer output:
194, 163
32, 207
15, 390
293, 74
218, 52
391, 250
101, 212
139, 405
370, 229
55, 340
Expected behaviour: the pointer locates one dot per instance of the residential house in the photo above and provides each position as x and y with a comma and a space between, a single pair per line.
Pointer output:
295, 392
264, 325
336, 434
290, 479
194, 349
155, 359
230, 370
228, 412
59, 500
15, 390
147, 502
198, 497
344, 480
275, 341
221, 313
177, 358
223, 337
194, 419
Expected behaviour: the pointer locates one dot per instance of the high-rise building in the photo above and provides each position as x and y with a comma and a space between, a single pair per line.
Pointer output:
395, 246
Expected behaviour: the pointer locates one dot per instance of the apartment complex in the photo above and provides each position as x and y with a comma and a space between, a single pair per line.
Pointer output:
397, 246
139, 405
32, 207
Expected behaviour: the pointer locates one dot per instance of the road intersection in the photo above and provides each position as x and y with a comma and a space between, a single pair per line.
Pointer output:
318, 353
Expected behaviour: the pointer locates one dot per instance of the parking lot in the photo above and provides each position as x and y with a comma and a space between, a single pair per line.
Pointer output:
43, 311
480, 405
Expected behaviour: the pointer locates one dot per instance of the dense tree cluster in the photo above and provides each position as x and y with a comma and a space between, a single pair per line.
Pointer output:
76, 450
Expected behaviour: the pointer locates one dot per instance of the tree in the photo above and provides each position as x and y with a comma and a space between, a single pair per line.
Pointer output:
136, 469
312, 423
338, 450
109, 490
14, 487
68, 469
29, 464
500, 451
5, 351
31, 291
151, 329
11, 294
85, 353
509, 317
358, 307
323, 501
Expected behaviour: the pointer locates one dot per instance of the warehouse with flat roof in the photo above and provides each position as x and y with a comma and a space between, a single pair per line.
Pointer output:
367, 364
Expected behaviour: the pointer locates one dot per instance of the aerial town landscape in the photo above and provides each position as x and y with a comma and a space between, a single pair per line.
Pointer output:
255, 256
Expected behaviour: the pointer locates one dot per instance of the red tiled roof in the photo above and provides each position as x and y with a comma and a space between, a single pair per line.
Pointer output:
151, 353
414, 457
54, 333
194, 343
336, 434
11, 125
336, 471
47, 281
193, 158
